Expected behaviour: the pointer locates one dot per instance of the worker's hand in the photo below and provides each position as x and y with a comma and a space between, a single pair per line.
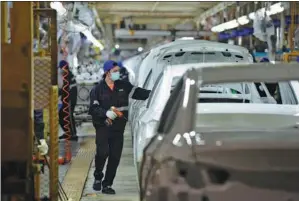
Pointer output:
111, 115
43, 147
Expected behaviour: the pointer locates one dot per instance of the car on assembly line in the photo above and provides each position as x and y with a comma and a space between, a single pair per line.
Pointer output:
225, 147
182, 52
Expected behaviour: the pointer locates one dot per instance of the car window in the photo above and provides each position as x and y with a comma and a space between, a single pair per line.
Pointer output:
171, 107
145, 85
154, 91
205, 57
247, 92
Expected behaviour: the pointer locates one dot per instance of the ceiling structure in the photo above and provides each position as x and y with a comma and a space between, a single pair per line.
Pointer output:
159, 17
162, 13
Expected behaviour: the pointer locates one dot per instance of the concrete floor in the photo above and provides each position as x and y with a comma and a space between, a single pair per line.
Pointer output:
125, 183
83, 130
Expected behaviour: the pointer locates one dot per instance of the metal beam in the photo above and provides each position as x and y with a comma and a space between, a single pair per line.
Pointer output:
147, 6
216, 9
124, 33
169, 14
140, 20
109, 36
99, 21
129, 46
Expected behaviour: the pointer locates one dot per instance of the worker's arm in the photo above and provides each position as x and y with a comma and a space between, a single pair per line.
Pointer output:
137, 93
95, 108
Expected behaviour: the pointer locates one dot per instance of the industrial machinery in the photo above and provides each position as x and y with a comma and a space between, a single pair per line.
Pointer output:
34, 87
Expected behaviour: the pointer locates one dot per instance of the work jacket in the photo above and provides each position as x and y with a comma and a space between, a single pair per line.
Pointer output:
102, 98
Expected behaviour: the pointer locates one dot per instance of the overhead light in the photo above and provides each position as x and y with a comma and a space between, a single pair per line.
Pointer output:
56, 5
274, 9
92, 39
117, 46
187, 38
140, 49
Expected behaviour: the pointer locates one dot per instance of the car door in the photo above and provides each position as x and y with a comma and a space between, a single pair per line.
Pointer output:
135, 104
149, 117
138, 136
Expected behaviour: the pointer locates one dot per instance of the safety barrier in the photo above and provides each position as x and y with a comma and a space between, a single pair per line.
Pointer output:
46, 100
290, 57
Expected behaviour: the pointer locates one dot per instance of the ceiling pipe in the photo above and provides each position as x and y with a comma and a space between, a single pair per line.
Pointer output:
212, 11
99, 21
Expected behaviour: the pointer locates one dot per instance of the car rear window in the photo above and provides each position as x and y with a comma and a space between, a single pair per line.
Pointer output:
203, 57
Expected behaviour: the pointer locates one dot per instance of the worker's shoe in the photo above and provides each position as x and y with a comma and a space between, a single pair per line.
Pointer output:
108, 190
97, 185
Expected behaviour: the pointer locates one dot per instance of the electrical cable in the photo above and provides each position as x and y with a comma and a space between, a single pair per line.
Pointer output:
66, 111
66, 108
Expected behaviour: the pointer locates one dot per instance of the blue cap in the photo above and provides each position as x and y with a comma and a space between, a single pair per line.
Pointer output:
120, 64
62, 63
264, 60
108, 65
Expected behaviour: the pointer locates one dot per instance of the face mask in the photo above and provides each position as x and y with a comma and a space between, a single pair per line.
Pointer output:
115, 76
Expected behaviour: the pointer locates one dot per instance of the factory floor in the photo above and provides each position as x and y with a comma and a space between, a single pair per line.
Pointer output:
77, 177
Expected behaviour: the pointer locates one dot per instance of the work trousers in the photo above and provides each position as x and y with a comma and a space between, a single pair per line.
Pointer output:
71, 119
39, 123
109, 144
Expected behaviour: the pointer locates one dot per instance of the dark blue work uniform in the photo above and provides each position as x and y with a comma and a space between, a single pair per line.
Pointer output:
109, 140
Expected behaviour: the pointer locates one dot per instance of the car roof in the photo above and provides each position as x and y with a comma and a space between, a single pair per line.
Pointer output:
240, 71
188, 43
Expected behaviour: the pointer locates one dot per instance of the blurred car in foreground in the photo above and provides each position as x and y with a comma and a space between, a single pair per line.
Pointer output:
252, 155
222, 105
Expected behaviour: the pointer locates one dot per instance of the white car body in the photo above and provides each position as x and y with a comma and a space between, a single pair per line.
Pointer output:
259, 114
155, 62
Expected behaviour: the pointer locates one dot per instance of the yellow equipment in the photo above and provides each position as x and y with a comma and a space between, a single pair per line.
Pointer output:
20, 97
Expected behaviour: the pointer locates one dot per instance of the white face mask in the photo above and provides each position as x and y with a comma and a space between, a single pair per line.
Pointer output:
115, 76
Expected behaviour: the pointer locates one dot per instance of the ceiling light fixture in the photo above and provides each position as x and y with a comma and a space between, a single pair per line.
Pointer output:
274, 9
